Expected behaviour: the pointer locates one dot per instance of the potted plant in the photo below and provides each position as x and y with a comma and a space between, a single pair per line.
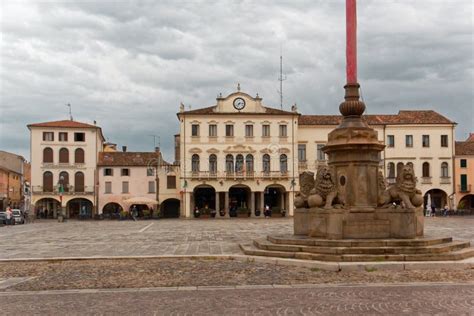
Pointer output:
197, 213
123, 215
243, 212
222, 212
146, 214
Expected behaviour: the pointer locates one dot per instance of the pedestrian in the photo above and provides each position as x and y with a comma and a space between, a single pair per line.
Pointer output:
267, 211
134, 212
446, 210
9, 215
433, 210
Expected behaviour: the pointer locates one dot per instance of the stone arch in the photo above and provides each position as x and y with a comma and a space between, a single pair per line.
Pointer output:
170, 208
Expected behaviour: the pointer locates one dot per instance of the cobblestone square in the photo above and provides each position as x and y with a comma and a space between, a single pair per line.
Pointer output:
48, 238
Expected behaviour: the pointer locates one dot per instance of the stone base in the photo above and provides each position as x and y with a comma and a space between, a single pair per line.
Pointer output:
359, 224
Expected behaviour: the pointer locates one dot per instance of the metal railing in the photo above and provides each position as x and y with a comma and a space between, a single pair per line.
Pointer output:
68, 190
236, 175
464, 188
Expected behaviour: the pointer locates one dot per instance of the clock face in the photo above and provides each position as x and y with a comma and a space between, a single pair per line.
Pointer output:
239, 103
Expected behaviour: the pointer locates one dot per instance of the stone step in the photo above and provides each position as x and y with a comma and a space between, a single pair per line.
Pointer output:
250, 249
308, 241
437, 248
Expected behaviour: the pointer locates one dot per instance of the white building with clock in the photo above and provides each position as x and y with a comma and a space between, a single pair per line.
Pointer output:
237, 156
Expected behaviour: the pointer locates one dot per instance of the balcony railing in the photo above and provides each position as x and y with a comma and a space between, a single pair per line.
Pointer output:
231, 175
445, 180
302, 165
464, 188
69, 190
426, 180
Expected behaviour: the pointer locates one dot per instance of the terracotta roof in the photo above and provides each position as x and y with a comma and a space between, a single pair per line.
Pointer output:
210, 110
120, 158
465, 148
63, 124
403, 117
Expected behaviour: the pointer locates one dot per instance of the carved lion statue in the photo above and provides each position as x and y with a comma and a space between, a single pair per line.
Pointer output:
325, 189
306, 185
404, 191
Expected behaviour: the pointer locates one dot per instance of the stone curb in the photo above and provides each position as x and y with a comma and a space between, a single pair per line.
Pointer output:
311, 264
228, 287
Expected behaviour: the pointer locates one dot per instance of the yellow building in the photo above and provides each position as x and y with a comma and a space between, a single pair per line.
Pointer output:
464, 173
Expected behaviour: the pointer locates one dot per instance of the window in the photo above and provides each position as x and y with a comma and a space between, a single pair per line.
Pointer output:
444, 140
390, 141
151, 186
213, 130
463, 163
125, 172
320, 153
266, 163
64, 180
108, 187
79, 137
425, 140
48, 181
283, 163
239, 163
229, 163
213, 164
463, 186
248, 130
408, 140
229, 130
171, 182
63, 155
47, 155
444, 170
63, 137
301, 152
79, 182
108, 172
79, 155
266, 130
399, 168
195, 130
48, 136
249, 163
150, 172
124, 186
426, 170
195, 163
391, 170
283, 131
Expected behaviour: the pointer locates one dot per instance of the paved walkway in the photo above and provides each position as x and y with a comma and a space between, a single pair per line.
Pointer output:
411, 299
48, 238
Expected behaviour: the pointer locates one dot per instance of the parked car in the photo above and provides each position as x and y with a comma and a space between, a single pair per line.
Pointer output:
18, 216
3, 218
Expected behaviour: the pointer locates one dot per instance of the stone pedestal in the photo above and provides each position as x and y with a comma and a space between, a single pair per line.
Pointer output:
359, 224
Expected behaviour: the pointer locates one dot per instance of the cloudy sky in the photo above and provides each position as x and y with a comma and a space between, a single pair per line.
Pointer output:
129, 64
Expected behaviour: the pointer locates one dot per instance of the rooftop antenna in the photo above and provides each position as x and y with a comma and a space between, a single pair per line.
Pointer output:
281, 78
154, 141
70, 111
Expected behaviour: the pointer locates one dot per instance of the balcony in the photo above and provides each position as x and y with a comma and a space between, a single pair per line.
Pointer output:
445, 180
274, 175
69, 190
302, 165
464, 188
237, 175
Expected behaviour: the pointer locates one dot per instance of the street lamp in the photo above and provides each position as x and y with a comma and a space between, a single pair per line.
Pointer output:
61, 215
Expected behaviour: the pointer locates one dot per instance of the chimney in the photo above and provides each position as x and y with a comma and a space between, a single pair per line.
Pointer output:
157, 149
124, 149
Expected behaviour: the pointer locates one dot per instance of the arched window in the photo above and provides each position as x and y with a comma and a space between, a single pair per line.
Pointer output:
399, 168
229, 163
212, 164
391, 170
48, 181
444, 170
63, 155
64, 180
79, 182
239, 163
249, 163
410, 164
79, 155
195, 163
283, 163
426, 170
266, 163
48, 155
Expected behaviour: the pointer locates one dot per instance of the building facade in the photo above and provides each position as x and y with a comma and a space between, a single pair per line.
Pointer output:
464, 173
142, 179
237, 156
64, 157
14, 173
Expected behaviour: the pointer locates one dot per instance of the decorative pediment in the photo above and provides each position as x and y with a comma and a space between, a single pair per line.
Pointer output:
195, 122
195, 150
266, 123
283, 123
212, 151
239, 149
249, 122
266, 151
229, 122
212, 122
283, 151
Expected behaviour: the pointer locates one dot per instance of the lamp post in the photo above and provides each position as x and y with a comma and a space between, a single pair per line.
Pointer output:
61, 215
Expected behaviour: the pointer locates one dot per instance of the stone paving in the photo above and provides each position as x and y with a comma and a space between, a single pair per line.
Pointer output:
412, 299
48, 238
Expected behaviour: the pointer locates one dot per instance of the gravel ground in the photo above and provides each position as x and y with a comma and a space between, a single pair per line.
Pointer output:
139, 273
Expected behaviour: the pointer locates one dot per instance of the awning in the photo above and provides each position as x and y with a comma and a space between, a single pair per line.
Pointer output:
141, 200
